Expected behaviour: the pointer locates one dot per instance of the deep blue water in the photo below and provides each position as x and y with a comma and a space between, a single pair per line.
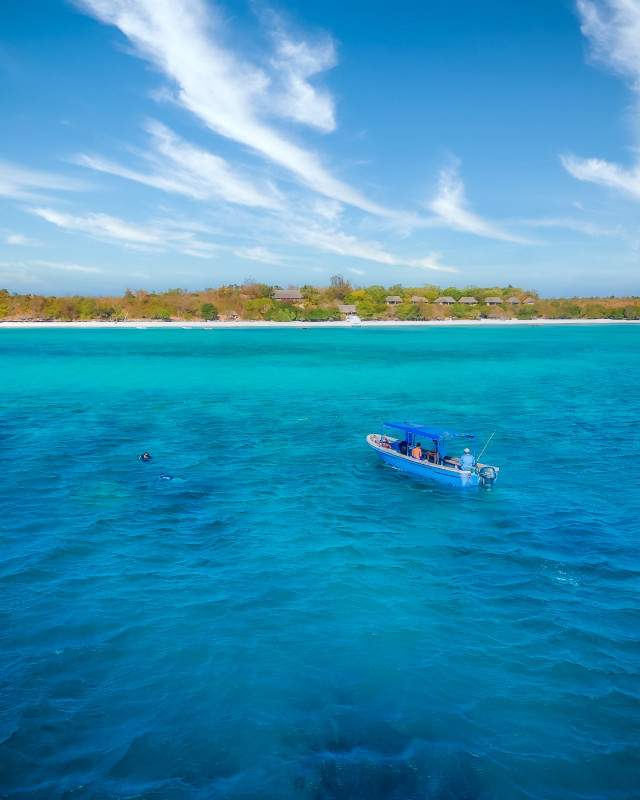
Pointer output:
289, 618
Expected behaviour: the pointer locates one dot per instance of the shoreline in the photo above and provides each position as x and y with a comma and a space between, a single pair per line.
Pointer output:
248, 324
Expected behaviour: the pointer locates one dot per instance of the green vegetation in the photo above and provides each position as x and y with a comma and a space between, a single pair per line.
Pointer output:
209, 311
254, 301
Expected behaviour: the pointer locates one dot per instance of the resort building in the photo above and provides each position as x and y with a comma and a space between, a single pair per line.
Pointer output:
347, 309
416, 299
514, 301
290, 295
529, 301
445, 301
468, 301
393, 300
493, 301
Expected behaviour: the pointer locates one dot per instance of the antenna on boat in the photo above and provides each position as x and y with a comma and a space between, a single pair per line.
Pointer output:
485, 447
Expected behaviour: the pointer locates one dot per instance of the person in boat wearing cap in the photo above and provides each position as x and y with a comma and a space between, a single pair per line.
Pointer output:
467, 462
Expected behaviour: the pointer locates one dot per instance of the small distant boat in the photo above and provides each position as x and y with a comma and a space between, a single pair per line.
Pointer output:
439, 461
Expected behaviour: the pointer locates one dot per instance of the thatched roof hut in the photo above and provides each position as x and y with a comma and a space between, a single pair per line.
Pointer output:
346, 309
393, 300
417, 299
493, 301
514, 301
445, 301
468, 301
293, 295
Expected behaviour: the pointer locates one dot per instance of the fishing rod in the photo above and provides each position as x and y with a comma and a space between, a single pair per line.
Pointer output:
486, 445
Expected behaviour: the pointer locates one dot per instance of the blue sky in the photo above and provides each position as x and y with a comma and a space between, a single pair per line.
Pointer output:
163, 143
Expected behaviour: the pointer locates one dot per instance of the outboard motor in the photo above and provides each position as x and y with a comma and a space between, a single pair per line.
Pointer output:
487, 476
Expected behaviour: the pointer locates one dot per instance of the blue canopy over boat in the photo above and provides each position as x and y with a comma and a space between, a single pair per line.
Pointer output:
427, 431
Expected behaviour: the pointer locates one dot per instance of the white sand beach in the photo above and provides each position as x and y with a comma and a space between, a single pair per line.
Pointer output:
195, 324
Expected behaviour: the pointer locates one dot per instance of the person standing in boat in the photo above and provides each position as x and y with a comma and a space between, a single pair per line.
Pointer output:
467, 461
417, 451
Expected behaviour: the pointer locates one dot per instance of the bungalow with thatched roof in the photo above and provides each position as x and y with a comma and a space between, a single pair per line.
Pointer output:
468, 301
393, 300
347, 309
529, 301
416, 299
291, 295
514, 301
493, 301
445, 301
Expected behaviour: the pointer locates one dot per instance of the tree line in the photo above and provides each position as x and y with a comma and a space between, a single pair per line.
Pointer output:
254, 301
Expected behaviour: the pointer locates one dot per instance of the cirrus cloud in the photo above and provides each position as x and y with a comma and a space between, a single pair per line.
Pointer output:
450, 206
613, 30
18, 183
118, 231
182, 168
183, 41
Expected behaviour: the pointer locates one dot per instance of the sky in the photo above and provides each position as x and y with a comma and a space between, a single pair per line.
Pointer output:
191, 143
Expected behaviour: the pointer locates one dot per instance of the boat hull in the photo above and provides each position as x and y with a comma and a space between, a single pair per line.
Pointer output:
424, 469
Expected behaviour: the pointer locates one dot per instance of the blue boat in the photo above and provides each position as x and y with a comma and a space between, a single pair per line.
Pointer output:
433, 453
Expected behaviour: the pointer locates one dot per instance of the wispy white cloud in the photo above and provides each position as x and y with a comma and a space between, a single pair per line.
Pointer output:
430, 262
19, 239
115, 230
18, 183
295, 62
335, 241
66, 266
582, 226
182, 168
258, 254
354, 271
450, 206
613, 30
327, 209
604, 173
183, 40
101, 226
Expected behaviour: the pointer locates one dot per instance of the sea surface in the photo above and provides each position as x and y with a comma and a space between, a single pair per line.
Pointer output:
289, 618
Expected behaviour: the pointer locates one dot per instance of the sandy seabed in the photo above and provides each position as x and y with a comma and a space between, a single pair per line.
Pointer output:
133, 324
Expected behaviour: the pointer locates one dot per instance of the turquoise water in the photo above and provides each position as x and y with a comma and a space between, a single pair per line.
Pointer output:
290, 618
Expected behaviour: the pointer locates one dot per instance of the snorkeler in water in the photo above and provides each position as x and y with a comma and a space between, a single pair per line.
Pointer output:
166, 477
145, 457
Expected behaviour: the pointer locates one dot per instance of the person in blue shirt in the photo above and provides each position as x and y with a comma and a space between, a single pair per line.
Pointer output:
467, 462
